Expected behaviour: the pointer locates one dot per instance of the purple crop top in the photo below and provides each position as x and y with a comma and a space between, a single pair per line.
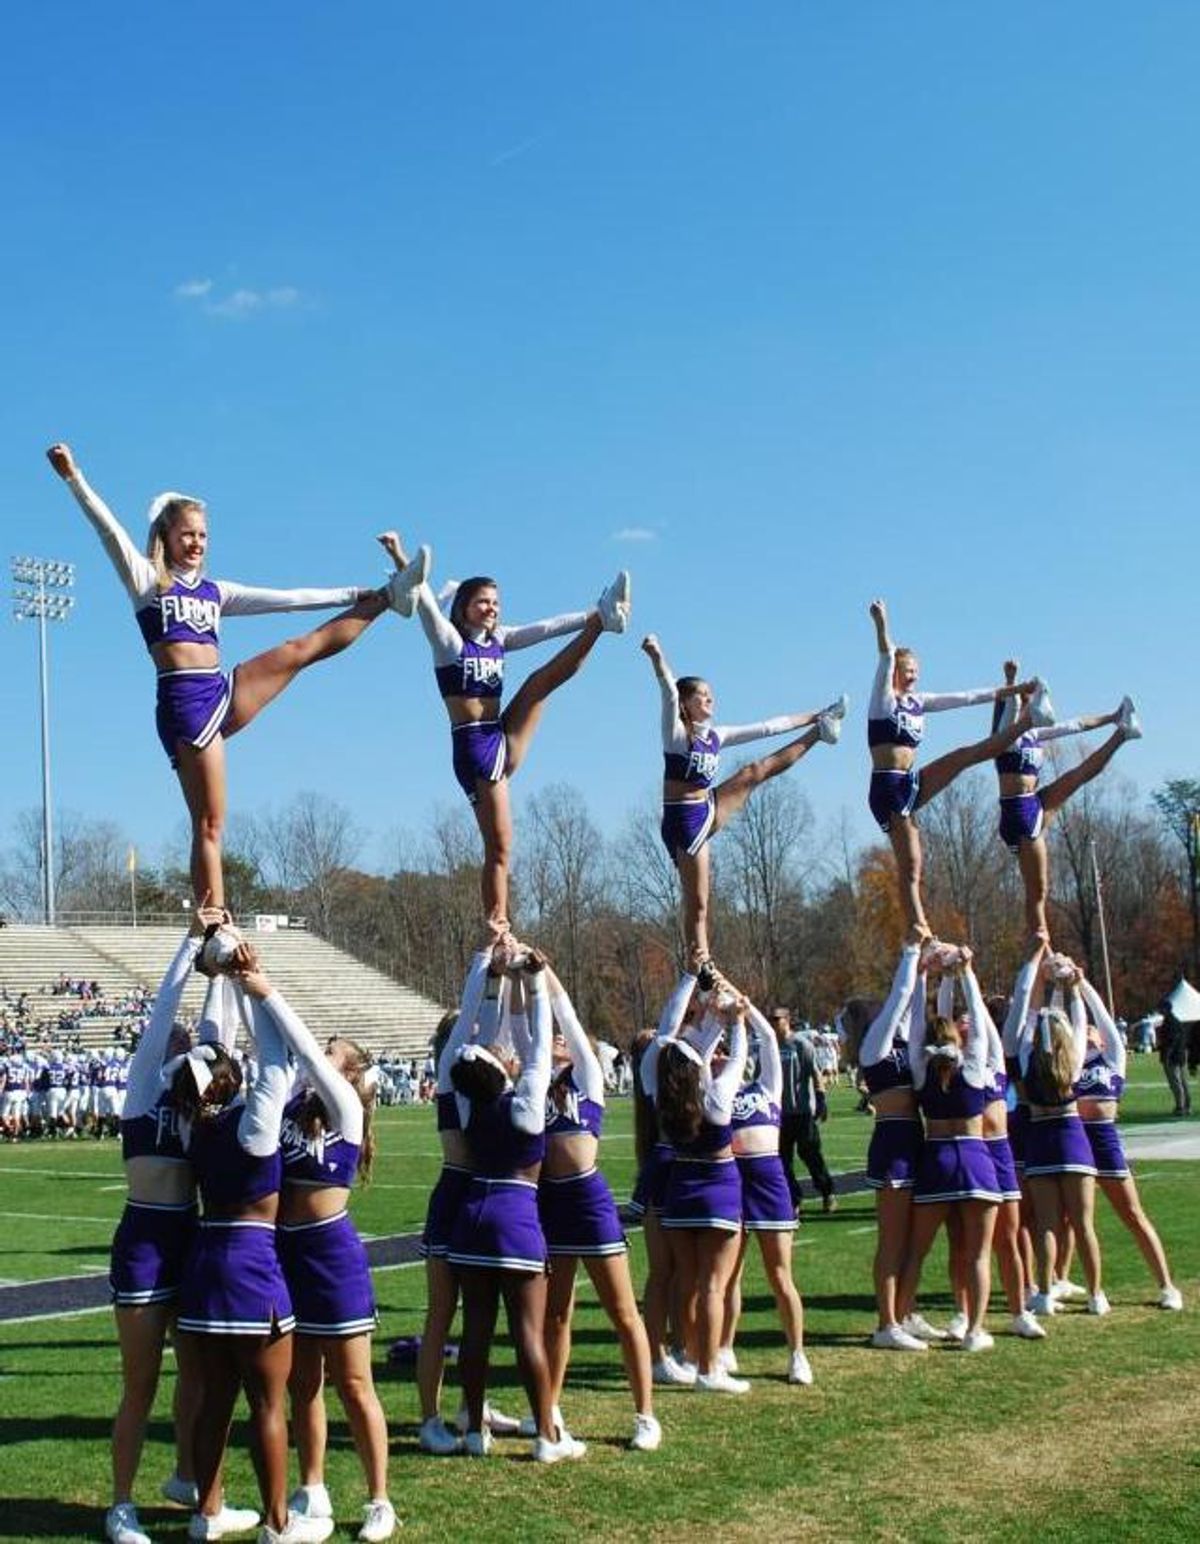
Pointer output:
478, 671
1099, 1078
498, 1148
188, 612
892, 1072
698, 768
903, 725
577, 1112
227, 1174
327, 1159
752, 1107
154, 1135
959, 1101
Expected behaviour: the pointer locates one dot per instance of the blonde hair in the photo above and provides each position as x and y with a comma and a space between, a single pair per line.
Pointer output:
1055, 1063
166, 509
313, 1116
943, 1032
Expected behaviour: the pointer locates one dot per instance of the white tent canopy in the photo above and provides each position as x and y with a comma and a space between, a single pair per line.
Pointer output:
1184, 1003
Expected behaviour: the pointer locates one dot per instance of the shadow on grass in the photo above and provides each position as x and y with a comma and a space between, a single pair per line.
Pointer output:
60, 1427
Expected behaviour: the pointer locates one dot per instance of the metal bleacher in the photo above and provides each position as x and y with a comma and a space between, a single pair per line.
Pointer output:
333, 992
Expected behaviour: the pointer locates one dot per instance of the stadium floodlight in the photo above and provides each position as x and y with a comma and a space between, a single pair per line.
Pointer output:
42, 593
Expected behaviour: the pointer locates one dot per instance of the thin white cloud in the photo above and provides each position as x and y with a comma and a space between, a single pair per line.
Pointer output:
514, 151
239, 303
635, 533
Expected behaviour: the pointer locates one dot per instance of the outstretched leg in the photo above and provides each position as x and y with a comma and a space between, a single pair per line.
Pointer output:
521, 717
732, 794
260, 680
940, 773
1054, 795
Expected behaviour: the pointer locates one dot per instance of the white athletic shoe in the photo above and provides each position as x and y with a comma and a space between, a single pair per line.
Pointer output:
647, 1434
436, 1437
297, 1530
1026, 1326
727, 1359
1099, 1305
720, 1382
670, 1372
546, 1452
477, 1444
799, 1370
1063, 1290
218, 952
957, 1326
230, 1519
121, 1525
977, 1340
829, 728
379, 1522
918, 1325
1170, 1297
1041, 709
1128, 721
310, 1501
840, 708
615, 603
403, 585
499, 1424
1042, 1304
182, 1492
891, 1337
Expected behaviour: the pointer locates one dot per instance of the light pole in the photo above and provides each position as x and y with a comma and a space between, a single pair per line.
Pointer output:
41, 590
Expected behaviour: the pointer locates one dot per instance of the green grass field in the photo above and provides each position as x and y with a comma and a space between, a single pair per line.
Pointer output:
1089, 1435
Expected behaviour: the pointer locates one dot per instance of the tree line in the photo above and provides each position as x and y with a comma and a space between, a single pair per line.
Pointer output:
799, 916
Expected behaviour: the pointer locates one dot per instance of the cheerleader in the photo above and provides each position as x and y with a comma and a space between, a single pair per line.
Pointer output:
878, 1041
496, 1243
1098, 1089
1059, 1168
895, 726
702, 1207
178, 611
482, 1000
326, 1141
579, 1219
768, 1211
955, 1171
695, 805
1006, 1239
235, 1302
469, 647
1026, 809
149, 1253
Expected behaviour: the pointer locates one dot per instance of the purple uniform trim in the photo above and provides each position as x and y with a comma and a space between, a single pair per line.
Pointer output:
193, 706
650, 1191
767, 1205
1099, 1079
325, 1267
579, 1216
904, 725
703, 1193
1058, 1145
687, 824
327, 1160
480, 754
1108, 1151
234, 1283
149, 1251
955, 1169
497, 1227
893, 793
893, 1154
477, 672
892, 1072
445, 1200
1023, 758
699, 766
228, 1175
1022, 818
1005, 1165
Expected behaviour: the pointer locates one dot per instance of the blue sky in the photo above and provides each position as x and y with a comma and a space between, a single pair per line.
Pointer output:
781, 305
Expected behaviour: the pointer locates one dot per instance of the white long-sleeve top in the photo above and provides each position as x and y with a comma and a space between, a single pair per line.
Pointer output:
446, 641
339, 1096
145, 1087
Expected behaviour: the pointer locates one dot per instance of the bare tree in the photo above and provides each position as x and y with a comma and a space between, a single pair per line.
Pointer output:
563, 871
310, 845
757, 876
1178, 805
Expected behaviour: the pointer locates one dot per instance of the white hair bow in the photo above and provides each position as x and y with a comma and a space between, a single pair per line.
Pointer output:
199, 1059
162, 500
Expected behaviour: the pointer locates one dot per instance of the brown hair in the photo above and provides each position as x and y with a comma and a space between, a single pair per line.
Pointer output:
857, 1015
312, 1116
465, 594
482, 1082
156, 542
1056, 1066
680, 1106
226, 1080
685, 685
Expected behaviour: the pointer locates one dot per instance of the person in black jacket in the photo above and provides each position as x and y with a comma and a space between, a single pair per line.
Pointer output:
802, 1112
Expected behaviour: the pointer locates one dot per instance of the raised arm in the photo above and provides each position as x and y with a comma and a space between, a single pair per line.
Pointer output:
134, 568
770, 1063
145, 1066
527, 634
337, 1093
1113, 1047
786, 723
877, 1042
258, 1128
244, 600
674, 735
1019, 1009
468, 1009
589, 1074
668, 1028
883, 691
982, 1048
721, 1090
529, 1095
